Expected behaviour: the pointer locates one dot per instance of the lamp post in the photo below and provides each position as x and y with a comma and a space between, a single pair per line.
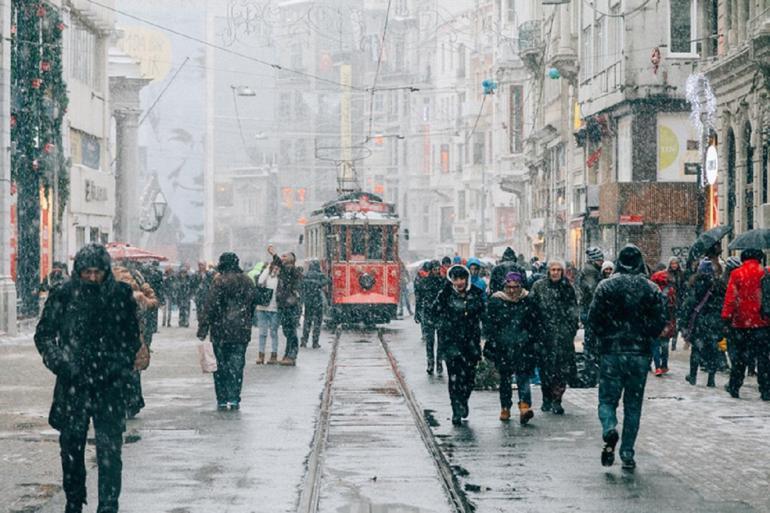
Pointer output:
159, 206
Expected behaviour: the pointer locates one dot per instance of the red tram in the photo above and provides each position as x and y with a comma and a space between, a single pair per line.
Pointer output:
355, 238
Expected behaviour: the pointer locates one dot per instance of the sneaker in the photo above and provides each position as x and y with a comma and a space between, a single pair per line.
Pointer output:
608, 453
316, 345
261, 359
658, 372
733, 393
664, 370
628, 464
273, 359
235, 405
221, 406
505, 414
429, 370
303, 343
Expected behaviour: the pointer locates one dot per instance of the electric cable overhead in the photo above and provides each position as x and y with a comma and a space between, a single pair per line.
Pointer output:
377, 69
620, 15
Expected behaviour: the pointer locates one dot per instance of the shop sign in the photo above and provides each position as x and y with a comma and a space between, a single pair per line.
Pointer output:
95, 192
631, 220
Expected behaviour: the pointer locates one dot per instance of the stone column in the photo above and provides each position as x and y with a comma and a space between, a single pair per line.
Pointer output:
7, 286
126, 171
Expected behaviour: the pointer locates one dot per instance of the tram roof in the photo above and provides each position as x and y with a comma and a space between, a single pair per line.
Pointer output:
357, 206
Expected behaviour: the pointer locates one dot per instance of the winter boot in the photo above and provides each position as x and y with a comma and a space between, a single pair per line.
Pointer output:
303, 343
557, 408
429, 370
691, 379
711, 383
73, 507
316, 345
288, 362
547, 406
525, 413
608, 453
505, 414
273, 359
261, 359
439, 369
733, 393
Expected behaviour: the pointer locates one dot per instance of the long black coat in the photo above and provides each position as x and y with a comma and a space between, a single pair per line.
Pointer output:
426, 290
513, 330
559, 310
458, 319
707, 325
229, 309
89, 337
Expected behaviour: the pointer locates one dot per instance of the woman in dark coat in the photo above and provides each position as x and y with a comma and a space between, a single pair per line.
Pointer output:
558, 304
513, 328
702, 322
228, 316
458, 310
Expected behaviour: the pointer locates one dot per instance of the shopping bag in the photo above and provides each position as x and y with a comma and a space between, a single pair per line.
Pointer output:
206, 356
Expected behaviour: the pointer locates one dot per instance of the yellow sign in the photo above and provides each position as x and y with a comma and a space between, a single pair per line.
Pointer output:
151, 48
668, 147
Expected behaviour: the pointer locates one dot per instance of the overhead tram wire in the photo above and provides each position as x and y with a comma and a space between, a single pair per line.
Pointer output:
619, 15
377, 69
273, 65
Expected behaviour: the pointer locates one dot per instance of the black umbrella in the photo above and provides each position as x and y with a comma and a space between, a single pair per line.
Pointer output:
706, 240
758, 238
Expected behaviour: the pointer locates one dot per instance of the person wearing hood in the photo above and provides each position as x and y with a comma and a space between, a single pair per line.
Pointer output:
508, 264
88, 336
458, 310
608, 268
750, 329
56, 278
702, 324
426, 291
314, 287
227, 317
558, 304
513, 327
627, 314
474, 267
660, 348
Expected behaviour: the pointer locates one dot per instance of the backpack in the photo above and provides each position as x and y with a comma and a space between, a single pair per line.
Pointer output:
764, 287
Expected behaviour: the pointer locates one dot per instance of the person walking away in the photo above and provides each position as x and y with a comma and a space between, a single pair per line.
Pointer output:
88, 336
702, 322
404, 289
227, 318
508, 264
513, 327
750, 330
558, 304
458, 310
660, 346
169, 295
585, 284
185, 289
201, 285
627, 314
287, 294
314, 286
474, 267
426, 292
677, 280
154, 277
268, 314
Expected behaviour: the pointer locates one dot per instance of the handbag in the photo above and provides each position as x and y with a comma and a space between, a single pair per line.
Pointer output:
263, 295
206, 357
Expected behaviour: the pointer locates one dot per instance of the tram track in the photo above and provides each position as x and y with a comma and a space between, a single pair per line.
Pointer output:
311, 493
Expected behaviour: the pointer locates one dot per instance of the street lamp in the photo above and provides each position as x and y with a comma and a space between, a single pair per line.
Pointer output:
159, 211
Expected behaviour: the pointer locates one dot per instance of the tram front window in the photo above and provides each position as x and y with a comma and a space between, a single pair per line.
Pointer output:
374, 248
357, 243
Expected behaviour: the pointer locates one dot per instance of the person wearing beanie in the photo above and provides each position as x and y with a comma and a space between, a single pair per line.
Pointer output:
750, 329
559, 309
587, 280
509, 263
458, 310
88, 336
607, 269
627, 315
700, 317
426, 290
227, 316
513, 328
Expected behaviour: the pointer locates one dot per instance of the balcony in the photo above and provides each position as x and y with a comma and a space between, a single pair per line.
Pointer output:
531, 43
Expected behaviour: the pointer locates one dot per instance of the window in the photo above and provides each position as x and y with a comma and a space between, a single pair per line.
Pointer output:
343, 243
80, 236
681, 27
374, 247
284, 105
425, 218
599, 45
84, 51
445, 158
478, 148
390, 243
461, 205
516, 121
357, 242
461, 61
585, 68
94, 233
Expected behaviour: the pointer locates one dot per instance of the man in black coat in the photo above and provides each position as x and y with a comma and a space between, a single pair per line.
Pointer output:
314, 285
154, 277
88, 336
627, 314
185, 290
426, 290
508, 264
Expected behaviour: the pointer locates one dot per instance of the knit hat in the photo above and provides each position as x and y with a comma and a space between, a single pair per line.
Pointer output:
705, 267
514, 276
594, 254
630, 260
733, 263
608, 265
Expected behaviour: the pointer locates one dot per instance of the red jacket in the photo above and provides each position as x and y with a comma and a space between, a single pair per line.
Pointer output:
743, 297
660, 279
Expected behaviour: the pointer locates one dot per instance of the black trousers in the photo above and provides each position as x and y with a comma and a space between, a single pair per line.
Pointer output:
228, 379
109, 444
313, 318
430, 337
748, 345
184, 313
462, 375
289, 318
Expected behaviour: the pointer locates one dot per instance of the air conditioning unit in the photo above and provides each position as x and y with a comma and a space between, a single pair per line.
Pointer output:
764, 215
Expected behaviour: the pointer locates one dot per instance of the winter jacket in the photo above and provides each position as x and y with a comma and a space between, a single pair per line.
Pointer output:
513, 331
706, 325
587, 280
184, 287
559, 311
478, 281
229, 309
313, 285
88, 336
661, 279
508, 264
458, 319
288, 293
426, 291
202, 285
743, 297
627, 313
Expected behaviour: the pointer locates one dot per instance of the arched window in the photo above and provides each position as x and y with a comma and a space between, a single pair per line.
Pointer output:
730, 207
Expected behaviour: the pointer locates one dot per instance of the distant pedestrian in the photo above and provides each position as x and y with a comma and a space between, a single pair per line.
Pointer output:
607, 269
458, 309
404, 300
513, 327
427, 289
288, 298
88, 336
201, 284
168, 297
446, 263
314, 286
474, 267
154, 277
627, 314
587, 280
509, 263
558, 305
702, 322
56, 278
227, 318
185, 290
750, 330
660, 348
268, 314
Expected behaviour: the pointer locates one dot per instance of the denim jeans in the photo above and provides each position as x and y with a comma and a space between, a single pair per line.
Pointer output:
268, 321
522, 384
660, 353
622, 375
228, 379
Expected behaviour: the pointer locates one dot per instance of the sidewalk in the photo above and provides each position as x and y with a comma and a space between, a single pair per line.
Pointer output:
698, 449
